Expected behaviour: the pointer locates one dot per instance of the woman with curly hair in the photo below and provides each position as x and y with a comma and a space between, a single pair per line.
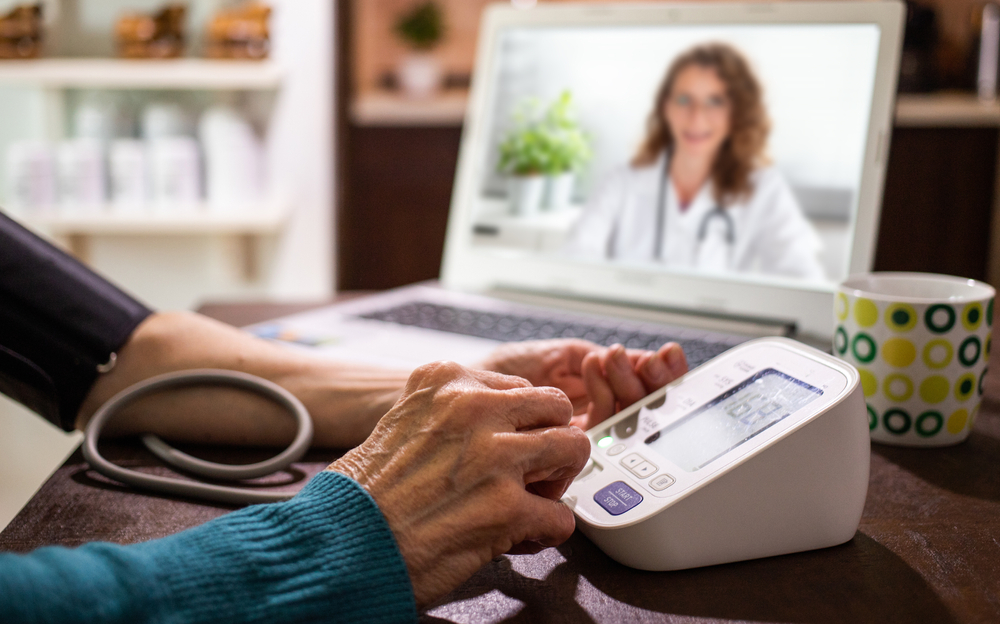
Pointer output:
699, 193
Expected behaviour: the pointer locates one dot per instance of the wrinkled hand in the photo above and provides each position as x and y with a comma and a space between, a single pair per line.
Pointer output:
599, 381
466, 466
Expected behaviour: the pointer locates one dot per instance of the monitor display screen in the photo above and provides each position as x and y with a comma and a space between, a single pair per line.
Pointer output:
729, 420
705, 150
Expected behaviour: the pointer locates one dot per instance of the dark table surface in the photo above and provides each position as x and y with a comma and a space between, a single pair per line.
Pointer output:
927, 550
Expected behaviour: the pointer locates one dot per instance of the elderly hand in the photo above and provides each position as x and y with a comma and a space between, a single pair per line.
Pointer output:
599, 381
466, 466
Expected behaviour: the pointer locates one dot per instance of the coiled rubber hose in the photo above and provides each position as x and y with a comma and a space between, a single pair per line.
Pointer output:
183, 461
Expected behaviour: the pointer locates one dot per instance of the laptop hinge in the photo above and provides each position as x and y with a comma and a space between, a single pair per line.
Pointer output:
709, 321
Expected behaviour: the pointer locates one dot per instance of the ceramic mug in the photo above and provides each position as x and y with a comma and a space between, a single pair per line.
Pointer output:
921, 343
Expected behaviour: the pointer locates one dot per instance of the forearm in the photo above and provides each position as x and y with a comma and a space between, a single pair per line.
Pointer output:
345, 400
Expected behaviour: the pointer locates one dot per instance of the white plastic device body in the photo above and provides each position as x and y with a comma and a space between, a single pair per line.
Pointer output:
762, 451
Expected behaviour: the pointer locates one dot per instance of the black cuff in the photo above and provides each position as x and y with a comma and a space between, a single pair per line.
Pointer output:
59, 321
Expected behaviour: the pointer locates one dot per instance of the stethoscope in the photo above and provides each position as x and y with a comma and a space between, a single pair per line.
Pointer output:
661, 217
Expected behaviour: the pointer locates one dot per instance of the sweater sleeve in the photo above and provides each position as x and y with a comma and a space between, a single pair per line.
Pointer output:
327, 555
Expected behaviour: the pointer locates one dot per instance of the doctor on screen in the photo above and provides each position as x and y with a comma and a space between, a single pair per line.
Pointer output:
699, 194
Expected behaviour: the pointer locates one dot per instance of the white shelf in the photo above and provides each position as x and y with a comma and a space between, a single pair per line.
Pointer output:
945, 110
379, 108
142, 74
496, 213
201, 222
543, 232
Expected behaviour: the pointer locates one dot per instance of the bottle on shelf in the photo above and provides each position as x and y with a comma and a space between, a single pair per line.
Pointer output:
30, 177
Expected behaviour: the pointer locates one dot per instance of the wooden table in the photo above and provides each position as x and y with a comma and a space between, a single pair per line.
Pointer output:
927, 550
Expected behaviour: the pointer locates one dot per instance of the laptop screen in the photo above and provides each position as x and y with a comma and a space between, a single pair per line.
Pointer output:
732, 151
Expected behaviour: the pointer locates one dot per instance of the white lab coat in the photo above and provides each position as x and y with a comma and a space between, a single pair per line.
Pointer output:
771, 235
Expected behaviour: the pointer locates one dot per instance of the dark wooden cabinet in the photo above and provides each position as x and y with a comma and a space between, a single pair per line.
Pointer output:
937, 207
398, 189
938, 202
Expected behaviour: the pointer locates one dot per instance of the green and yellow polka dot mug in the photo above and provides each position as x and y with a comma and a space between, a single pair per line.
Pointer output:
921, 343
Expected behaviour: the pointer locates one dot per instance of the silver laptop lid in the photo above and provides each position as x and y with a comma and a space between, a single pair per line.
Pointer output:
722, 158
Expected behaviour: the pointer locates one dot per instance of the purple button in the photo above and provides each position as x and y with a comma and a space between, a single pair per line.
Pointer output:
617, 498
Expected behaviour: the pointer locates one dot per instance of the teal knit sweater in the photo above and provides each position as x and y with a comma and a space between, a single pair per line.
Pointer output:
325, 556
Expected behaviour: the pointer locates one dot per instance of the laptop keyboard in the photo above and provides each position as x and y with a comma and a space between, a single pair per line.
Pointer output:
507, 327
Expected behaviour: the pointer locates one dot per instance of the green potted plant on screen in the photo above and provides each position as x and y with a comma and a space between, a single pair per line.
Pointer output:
569, 149
524, 156
421, 28
542, 152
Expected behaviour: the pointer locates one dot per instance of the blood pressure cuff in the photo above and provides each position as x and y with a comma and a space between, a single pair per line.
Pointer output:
59, 321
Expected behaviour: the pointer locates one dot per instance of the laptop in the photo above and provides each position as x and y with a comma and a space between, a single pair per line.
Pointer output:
611, 250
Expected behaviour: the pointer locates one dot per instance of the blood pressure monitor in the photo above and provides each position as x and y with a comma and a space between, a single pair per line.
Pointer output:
762, 451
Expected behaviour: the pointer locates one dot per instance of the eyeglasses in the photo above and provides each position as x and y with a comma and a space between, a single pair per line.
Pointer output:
713, 105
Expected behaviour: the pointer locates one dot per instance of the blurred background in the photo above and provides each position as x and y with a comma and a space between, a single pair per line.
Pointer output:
224, 151
184, 150
399, 145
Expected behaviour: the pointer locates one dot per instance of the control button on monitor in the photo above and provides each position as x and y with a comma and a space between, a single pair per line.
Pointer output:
617, 498
661, 482
615, 450
643, 470
633, 460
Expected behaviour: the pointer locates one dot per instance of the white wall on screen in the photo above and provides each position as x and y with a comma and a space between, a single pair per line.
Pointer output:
818, 83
